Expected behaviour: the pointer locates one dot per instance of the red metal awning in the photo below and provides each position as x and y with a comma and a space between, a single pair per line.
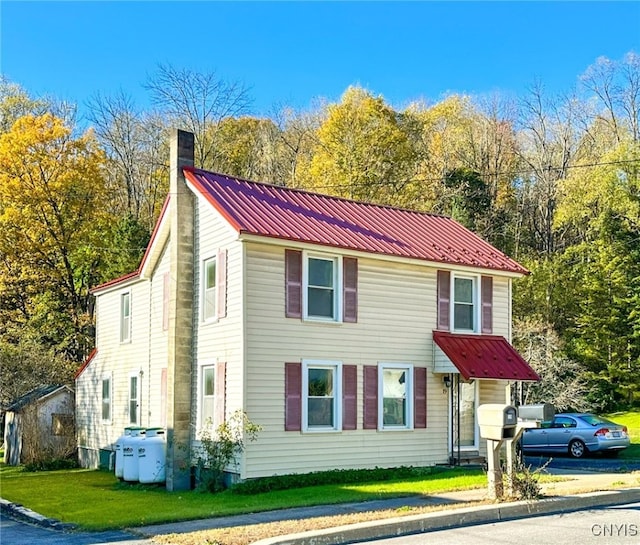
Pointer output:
484, 357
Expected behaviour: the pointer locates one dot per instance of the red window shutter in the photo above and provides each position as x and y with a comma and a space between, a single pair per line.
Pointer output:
370, 397
350, 289
444, 295
165, 301
487, 304
163, 396
349, 397
293, 283
221, 283
292, 396
419, 397
220, 389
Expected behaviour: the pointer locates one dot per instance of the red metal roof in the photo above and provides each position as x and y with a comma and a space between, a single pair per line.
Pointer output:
86, 363
484, 356
291, 214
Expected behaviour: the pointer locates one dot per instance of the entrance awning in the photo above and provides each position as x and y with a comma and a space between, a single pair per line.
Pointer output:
484, 357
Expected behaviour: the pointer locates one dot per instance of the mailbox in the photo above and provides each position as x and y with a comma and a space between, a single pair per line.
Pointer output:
538, 411
497, 421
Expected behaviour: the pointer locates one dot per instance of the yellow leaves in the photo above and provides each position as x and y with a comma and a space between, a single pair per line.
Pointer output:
51, 187
611, 186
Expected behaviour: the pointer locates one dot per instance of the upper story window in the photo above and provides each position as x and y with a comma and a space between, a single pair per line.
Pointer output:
213, 283
125, 317
465, 303
209, 289
321, 287
322, 392
322, 275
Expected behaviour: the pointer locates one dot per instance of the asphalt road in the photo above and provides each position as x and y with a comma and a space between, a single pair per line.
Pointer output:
618, 525
14, 532
593, 462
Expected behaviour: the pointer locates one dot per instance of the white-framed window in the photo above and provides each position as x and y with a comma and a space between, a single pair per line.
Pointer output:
134, 399
322, 394
106, 398
395, 399
465, 308
209, 293
322, 288
125, 317
206, 395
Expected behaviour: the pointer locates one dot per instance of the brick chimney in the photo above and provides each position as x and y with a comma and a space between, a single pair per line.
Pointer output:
180, 333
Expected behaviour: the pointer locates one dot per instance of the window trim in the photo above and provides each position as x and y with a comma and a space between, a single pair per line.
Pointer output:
201, 423
213, 316
476, 303
109, 379
409, 396
125, 327
336, 368
337, 287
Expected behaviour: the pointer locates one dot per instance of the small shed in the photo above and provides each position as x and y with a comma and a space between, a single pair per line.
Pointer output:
40, 425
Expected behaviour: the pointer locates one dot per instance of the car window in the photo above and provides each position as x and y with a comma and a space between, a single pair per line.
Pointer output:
564, 422
594, 420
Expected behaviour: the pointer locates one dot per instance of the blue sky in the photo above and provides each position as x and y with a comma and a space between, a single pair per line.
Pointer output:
291, 52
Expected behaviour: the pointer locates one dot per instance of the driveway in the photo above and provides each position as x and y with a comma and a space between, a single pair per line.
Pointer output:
588, 463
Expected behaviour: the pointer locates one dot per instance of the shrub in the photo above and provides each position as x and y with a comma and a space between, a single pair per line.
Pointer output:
51, 464
337, 476
219, 449
523, 481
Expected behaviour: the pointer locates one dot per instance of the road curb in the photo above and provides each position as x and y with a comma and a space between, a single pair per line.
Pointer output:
443, 520
17, 510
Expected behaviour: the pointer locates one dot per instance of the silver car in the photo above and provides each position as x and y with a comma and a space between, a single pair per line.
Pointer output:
577, 434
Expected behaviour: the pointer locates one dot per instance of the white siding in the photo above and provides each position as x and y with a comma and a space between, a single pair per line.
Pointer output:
219, 340
118, 360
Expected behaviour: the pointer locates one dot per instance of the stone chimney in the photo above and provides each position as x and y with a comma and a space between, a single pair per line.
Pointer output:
180, 333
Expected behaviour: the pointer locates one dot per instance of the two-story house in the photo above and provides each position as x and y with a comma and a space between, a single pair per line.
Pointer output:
355, 335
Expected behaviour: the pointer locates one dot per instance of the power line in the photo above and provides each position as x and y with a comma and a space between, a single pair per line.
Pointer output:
513, 173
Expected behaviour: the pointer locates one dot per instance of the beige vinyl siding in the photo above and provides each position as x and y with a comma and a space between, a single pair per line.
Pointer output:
396, 314
219, 340
116, 359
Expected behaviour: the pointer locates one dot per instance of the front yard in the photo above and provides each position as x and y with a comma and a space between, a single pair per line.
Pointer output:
96, 500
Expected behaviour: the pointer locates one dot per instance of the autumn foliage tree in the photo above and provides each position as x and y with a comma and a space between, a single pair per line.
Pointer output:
52, 226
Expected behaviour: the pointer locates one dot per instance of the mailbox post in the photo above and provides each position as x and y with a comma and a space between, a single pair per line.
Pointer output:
497, 423
529, 416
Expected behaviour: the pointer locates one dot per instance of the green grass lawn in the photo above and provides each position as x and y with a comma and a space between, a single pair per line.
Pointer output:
96, 500
632, 421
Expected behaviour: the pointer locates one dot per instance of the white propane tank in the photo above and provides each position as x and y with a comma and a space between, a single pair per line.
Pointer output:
119, 461
152, 456
130, 454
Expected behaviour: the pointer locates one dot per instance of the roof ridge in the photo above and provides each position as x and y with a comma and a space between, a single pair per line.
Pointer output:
318, 194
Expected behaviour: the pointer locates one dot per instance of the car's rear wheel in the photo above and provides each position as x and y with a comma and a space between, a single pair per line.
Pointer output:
577, 449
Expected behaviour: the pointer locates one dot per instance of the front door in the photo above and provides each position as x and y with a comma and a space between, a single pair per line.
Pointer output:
464, 403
